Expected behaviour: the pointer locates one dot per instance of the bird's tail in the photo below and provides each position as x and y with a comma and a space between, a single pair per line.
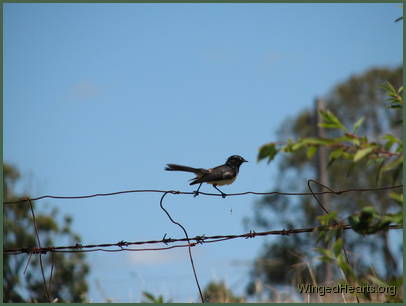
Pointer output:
174, 167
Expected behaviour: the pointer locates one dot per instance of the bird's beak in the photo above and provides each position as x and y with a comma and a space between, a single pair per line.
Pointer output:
244, 161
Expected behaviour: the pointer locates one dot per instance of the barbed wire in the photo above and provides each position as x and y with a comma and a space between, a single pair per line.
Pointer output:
337, 192
123, 245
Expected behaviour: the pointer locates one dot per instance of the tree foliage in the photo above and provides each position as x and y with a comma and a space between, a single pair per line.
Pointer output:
362, 122
65, 273
217, 292
150, 298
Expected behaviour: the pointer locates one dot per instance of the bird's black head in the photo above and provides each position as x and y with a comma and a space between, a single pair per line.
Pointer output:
235, 161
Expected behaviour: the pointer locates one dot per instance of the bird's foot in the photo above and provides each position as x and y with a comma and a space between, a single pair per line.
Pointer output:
195, 193
223, 195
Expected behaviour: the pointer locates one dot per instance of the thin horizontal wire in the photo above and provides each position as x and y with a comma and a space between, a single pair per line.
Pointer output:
205, 193
122, 245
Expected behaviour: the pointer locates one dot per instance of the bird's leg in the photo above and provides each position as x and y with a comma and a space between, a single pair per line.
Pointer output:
223, 195
196, 192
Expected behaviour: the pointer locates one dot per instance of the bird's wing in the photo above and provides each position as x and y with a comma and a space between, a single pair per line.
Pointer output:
215, 174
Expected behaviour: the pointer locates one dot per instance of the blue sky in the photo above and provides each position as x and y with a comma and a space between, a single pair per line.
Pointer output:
99, 97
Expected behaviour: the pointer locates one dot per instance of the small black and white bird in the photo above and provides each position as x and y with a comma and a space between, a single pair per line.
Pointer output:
217, 176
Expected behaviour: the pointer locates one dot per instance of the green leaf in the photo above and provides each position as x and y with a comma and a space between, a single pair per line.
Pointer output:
288, 147
326, 254
310, 151
362, 153
331, 121
317, 141
358, 124
364, 140
149, 296
367, 214
267, 151
345, 267
327, 218
297, 145
369, 221
395, 96
393, 164
338, 245
390, 137
380, 162
393, 218
352, 138
377, 281
354, 221
394, 105
396, 196
345, 137
390, 140
381, 225
390, 90
335, 154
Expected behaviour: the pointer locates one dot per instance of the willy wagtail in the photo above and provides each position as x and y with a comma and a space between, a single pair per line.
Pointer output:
217, 176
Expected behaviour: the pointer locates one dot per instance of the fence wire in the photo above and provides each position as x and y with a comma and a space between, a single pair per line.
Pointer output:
190, 241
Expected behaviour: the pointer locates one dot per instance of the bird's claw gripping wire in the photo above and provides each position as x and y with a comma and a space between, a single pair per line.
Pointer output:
196, 192
223, 195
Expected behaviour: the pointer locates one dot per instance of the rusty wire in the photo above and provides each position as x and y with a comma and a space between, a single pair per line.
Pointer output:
123, 245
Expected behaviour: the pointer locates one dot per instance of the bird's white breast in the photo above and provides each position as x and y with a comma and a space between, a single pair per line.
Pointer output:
223, 182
